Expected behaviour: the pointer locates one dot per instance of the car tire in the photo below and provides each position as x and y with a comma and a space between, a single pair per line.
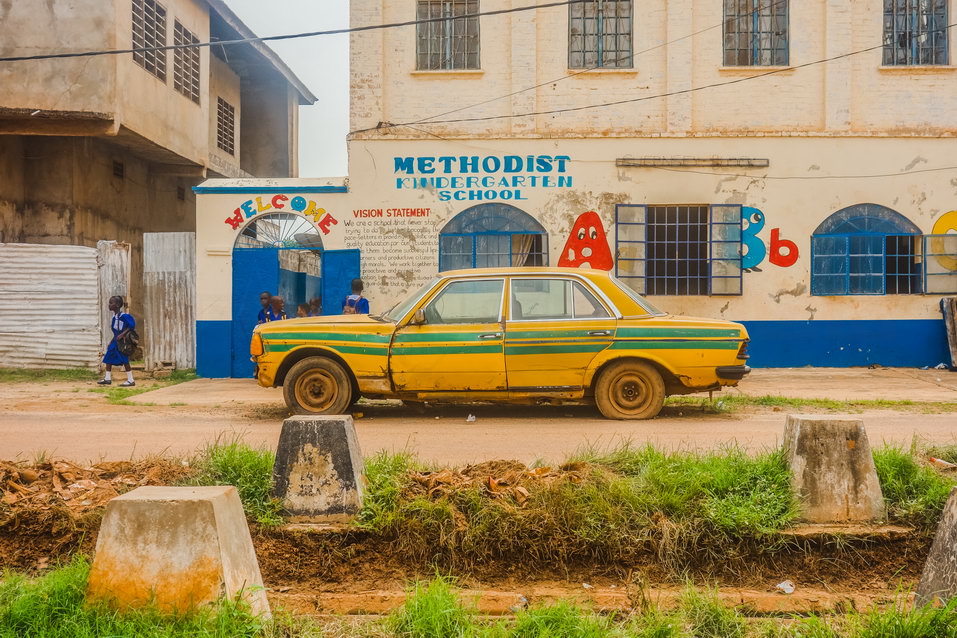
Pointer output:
630, 390
317, 385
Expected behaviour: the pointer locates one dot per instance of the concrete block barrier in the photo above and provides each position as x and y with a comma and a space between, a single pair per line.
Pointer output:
319, 470
939, 578
832, 469
179, 547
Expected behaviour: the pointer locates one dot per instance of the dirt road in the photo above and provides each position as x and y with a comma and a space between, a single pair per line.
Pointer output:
65, 420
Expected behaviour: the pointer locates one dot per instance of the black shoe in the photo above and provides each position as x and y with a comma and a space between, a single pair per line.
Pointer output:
104, 382
127, 384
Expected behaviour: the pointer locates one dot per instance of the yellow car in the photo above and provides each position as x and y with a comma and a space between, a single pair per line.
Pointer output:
512, 335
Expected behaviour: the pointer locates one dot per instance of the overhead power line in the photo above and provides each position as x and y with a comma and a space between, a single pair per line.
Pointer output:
584, 107
288, 36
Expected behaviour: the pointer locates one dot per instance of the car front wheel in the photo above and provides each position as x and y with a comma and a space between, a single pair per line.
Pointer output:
630, 390
317, 385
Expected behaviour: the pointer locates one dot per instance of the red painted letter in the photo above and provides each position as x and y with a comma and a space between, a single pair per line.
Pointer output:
325, 222
236, 219
277, 199
777, 244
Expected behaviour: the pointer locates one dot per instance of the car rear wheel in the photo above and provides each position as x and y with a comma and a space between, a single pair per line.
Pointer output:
317, 385
630, 390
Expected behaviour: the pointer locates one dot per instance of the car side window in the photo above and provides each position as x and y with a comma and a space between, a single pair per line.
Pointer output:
541, 299
467, 302
586, 305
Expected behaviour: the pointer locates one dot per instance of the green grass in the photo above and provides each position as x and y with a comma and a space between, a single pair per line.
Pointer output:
53, 606
18, 375
248, 468
730, 403
915, 493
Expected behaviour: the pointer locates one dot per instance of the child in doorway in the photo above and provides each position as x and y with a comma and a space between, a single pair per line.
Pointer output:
264, 299
275, 311
315, 307
355, 304
122, 323
302, 310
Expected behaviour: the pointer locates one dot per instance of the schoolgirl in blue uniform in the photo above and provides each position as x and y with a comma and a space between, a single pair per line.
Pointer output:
121, 324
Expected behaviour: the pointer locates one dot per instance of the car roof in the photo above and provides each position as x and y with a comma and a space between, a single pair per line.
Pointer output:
524, 270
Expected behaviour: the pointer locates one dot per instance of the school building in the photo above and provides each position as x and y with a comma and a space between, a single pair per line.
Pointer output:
789, 165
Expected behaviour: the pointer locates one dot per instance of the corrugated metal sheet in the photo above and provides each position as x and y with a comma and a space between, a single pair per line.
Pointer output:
114, 263
49, 306
169, 282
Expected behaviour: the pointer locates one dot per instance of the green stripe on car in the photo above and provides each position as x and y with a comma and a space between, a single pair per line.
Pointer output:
639, 344
625, 333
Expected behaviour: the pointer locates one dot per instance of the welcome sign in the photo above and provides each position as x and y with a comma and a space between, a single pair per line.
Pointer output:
482, 178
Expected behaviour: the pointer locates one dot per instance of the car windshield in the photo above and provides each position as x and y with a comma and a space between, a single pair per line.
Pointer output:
641, 301
402, 308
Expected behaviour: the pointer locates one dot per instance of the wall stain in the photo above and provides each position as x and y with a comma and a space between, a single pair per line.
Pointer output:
914, 162
812, 312
798, 290
724, 308
813, 167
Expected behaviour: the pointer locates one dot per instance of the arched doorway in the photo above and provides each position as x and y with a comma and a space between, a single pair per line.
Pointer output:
283, 254
866, 249
491, 236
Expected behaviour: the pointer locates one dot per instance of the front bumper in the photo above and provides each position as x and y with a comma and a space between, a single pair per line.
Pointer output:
732, 373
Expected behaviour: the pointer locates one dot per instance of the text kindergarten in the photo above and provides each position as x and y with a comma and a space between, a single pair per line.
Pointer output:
476, 178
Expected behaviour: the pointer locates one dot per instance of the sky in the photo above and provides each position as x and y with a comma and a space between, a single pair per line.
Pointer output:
322, 63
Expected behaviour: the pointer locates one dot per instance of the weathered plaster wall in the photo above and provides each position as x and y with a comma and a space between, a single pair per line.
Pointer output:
855, 95
68, 194
82, 84
224, 83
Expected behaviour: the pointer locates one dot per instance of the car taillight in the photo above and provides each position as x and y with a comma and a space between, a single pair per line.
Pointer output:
256, 345
743, 350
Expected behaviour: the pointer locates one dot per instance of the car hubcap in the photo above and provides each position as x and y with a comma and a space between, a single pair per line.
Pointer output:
631, 392
316, 390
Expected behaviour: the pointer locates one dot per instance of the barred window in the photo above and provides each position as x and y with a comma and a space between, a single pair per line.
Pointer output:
185, 62
915, 32
149, 30
225, 126
452, 43
600, 34
755, 32
679, 250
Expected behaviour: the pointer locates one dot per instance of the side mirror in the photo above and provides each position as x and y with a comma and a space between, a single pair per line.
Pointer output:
418, 318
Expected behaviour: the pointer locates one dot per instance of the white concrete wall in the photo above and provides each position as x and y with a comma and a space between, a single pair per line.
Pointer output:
399, 253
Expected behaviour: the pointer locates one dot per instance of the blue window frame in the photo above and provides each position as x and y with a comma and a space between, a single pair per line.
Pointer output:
755, 32
866, 249
492, 236
915, 32
679, 249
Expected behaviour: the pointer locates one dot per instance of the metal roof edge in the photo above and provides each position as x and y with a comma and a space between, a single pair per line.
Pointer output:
219, 6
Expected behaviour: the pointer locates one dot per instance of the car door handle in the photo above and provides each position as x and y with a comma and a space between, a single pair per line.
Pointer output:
490, 335
599, 333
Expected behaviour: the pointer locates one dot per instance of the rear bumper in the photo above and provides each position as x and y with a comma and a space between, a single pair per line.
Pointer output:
733, 373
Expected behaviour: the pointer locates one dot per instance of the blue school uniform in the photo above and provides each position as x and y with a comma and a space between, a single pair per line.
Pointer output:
262, 317
357, 302
274, 316
113, 355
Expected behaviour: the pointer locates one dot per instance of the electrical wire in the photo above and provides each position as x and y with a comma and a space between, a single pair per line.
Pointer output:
387, 125
289, 36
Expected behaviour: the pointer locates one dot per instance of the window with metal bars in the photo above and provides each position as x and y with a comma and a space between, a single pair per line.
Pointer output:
755, 32
225, 126
492, 236
600, 34
680, 249
915, 32
149, 30
869, 249
447, 44
185, 62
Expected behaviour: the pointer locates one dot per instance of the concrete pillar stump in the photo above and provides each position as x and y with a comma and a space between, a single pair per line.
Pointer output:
939, 578
832, 470
319, 470
178, 547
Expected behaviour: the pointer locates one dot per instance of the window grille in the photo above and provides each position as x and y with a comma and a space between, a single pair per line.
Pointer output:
600, 34
755, 32
492, 236
225, 126
185, 62
915, 32
940, 264
452, 43
679, 250
149, 30
868, 249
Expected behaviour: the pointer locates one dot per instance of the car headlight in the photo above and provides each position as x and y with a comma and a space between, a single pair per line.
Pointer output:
256, 345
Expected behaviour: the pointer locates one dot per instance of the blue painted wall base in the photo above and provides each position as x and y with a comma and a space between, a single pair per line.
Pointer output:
214, 349
901, 343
